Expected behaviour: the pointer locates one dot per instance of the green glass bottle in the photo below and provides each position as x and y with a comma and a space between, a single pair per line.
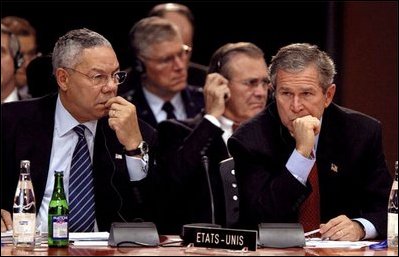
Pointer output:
58, 235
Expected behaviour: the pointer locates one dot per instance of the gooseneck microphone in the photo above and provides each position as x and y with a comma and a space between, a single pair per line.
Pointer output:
205, 163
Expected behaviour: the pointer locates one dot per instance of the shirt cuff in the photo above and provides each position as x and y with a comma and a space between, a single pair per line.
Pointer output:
369, 229
213, 120
137, 167
300, 166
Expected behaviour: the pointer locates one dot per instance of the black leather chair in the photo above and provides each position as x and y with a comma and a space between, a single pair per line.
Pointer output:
230, 189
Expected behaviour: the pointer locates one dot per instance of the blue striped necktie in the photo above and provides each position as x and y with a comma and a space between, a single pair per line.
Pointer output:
81, 189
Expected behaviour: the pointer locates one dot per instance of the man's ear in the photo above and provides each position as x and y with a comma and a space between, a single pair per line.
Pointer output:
62, 77
330, 95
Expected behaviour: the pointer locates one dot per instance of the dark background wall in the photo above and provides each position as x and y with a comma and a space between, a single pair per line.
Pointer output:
369, 70
361, 37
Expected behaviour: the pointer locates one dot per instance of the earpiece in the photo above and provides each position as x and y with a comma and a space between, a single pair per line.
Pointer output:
218, 60
221, 56
138, 66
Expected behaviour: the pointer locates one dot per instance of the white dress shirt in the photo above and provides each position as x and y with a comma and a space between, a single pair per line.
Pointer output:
156, 103
12, 97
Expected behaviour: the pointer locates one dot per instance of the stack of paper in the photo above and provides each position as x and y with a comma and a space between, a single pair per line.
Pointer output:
6, 237
89, 239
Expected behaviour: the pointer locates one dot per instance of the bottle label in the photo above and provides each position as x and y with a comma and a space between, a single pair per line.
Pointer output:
60, 227
24, 227
395, 185
392, 224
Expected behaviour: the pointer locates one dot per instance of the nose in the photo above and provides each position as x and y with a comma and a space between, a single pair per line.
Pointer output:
260, 90
179, 62
112, 85
296, 105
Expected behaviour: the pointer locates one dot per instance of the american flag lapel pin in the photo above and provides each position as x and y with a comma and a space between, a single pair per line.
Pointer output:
334, 167
118, 156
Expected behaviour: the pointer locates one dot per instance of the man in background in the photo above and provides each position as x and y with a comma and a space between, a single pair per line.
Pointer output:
158, 83
182, 16
26, 35
236, 89
11, 59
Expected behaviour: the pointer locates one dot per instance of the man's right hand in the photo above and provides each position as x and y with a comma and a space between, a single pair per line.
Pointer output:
305, 130
216, 93
6, 221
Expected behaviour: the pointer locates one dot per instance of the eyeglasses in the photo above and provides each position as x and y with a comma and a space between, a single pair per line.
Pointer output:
102, 79
253, 83
169, 60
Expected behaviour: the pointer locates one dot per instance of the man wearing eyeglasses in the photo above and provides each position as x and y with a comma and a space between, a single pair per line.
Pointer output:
236, 89
157, 84
86, 110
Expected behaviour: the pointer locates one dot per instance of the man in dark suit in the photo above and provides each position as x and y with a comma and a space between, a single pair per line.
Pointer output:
304, 147
236, 89
182, 16
42, 131
157, 84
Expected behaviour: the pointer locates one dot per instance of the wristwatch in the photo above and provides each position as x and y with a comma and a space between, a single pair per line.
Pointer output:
142, 149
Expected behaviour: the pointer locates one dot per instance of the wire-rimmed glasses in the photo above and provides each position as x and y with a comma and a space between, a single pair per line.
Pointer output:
170, 59
102, 79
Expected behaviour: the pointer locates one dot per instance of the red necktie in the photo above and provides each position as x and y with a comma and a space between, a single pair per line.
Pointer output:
309, 211
235, 126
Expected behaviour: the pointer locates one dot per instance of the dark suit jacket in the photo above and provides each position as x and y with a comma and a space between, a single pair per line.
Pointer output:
348, 139
131, 90
27, 134
181, 147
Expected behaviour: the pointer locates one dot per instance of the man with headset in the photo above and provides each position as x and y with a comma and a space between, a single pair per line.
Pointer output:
157, 85
182, 16
236, 89
11, 60
26, 35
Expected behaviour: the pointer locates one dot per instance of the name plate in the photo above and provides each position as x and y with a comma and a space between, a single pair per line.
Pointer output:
223, 238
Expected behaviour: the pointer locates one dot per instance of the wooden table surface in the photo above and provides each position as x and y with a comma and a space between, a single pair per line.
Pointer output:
182, 251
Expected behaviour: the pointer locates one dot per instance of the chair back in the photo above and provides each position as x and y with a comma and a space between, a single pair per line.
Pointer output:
230, 189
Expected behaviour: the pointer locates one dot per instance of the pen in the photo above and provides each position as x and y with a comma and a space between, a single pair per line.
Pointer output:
312, 232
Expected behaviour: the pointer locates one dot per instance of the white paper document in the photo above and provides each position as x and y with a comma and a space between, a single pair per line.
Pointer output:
319, 243
89, 238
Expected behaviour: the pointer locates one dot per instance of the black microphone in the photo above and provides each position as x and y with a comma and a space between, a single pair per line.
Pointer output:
189, 230
205, 163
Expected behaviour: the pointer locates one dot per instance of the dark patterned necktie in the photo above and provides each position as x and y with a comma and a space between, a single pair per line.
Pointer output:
168, 108
309, 211
81, 189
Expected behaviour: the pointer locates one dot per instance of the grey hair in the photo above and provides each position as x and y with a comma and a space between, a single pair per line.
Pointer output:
149, 31
296, 57
68, 49
220, 60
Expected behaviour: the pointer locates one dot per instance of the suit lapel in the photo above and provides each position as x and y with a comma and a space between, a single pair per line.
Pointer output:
143, 109
35, 143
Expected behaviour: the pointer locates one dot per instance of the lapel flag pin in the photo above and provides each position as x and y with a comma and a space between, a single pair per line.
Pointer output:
334, 167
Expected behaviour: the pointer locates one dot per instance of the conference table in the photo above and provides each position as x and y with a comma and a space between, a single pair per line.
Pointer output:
10, 250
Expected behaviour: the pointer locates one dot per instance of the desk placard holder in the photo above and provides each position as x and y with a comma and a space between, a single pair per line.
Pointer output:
133, 234
281, 235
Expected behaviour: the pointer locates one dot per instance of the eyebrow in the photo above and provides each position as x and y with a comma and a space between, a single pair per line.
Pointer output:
102, 71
